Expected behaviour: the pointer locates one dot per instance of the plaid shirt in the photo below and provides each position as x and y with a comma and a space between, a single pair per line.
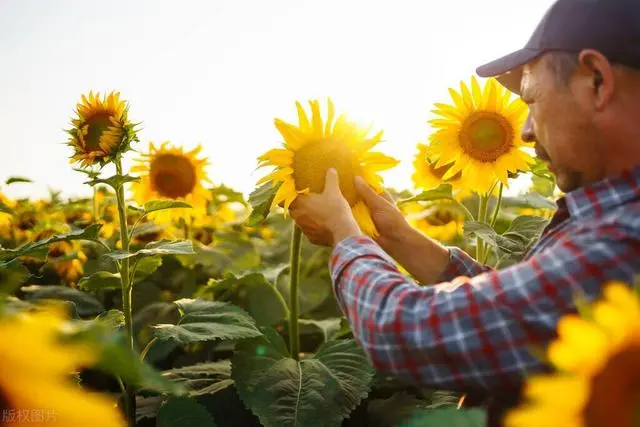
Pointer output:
477, 332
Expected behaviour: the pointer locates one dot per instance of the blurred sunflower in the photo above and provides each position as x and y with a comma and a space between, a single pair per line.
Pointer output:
426, 176
6, 217
101, 129
66, 258
599, 375
314, 146
35, 373
168, 172
441, 221
479, 135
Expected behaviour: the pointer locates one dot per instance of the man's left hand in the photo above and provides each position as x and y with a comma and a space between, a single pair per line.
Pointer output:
325, 218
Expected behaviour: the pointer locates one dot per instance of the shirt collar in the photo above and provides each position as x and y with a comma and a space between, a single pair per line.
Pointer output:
598, 197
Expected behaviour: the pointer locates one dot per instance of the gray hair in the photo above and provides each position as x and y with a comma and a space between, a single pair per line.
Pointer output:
563, 65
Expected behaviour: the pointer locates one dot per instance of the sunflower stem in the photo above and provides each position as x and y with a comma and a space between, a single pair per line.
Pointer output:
130, 398
144, 352
498, 206
294, 302
482, 217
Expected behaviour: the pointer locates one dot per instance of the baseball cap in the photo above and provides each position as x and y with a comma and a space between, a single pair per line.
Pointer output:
611, 27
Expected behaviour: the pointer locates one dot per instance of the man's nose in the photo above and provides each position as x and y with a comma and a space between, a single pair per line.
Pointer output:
528, 131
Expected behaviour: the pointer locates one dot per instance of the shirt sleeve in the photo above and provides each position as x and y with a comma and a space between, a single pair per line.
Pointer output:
461, 264
471, 333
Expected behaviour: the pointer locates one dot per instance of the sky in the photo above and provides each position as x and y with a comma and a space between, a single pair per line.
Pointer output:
217, 73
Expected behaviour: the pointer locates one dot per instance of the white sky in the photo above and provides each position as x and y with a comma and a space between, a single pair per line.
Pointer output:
217, 72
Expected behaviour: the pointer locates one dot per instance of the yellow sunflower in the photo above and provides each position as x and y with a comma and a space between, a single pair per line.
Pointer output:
168, 172
598, 383
426, 176
101, 129
316, 145
35, 382
5, 217
479, 135
441, 221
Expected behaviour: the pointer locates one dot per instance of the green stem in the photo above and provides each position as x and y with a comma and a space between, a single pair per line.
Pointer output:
126, 289
467, 212
147, 348
482, 214
294, 302
498, 206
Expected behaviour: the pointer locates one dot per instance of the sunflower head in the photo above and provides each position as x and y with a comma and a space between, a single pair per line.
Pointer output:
315, 145
479, 135
441, 220
596, 355
427, 176
101, 129
169, 172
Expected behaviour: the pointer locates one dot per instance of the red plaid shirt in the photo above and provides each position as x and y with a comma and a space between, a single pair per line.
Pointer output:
477, 333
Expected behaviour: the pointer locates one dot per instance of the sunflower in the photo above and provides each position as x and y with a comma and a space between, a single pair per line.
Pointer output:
168, 172
597, 357
37, 390
6, 217
479, 135
314, 146
426, 176
101, 129
65, 258
441, 221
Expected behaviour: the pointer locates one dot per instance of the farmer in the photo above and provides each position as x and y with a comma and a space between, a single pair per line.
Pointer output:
473, 329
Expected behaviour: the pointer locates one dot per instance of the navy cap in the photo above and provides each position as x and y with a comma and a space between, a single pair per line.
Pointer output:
611, 27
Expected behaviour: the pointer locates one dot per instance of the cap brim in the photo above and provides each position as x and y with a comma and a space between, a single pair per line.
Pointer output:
508, 69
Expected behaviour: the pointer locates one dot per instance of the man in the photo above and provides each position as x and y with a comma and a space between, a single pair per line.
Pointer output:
473, 329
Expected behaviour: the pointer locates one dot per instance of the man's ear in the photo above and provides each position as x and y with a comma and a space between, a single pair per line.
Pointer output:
598, 71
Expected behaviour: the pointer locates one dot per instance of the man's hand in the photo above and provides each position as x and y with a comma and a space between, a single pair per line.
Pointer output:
325, 218
388, 219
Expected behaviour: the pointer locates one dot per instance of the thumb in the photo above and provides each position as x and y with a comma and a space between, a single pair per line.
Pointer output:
332, 182
369, 195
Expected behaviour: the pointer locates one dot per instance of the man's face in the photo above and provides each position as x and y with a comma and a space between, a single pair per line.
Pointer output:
564, 132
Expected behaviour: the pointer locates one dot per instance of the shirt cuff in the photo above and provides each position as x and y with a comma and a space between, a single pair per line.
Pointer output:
460, 264
351, 248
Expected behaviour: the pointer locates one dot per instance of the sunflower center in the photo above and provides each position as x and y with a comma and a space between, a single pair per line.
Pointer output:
96, 125
486, 136
311, 162
440, 218
172, 176
615, 394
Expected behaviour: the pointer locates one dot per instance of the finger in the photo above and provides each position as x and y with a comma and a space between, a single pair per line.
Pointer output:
368, 194
332, 182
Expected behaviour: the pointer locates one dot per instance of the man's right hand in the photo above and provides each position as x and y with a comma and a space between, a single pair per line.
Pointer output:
388, 219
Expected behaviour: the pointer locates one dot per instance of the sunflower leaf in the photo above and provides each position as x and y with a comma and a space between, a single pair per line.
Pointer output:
260, 200
89, 233
12, 275
447, 416
443, 191
17, 179
202, 378
85, 303
161, 247
182, 411
206, 321
158, 205
6, 209
101, 280
321, 390
484, 231
114, 182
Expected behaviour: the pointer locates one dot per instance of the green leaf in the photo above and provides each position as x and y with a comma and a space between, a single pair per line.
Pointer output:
114, 182
113, 317
116, 358
146, 267
206, 321
6, 209
256, 295
489, 235
159, 205
329, 328
392, 411
223, 194
202, 378
528, 226
312, 293
183, 411
16, 179
449, 416
86, 304
161, 247
12, 275
320, 391
529, 200
443, 191
260, 200
101, 280
89, 233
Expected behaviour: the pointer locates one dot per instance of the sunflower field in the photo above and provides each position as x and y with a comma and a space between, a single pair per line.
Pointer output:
167, 300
